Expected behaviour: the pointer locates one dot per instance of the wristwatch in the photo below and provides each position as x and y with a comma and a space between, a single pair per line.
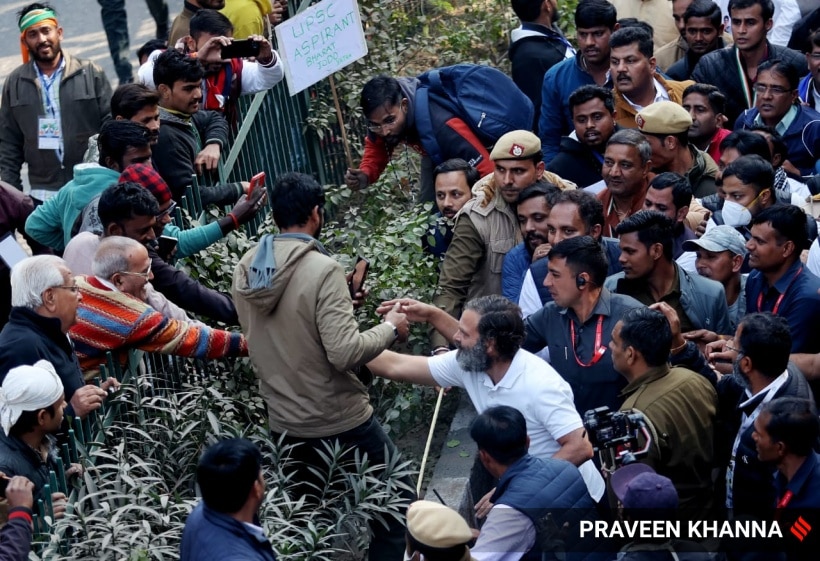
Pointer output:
395, 329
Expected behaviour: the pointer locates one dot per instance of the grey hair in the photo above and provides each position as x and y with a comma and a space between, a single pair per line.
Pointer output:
111, 256
33, 276
631, 137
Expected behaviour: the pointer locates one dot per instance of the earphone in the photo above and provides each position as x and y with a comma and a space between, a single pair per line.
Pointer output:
580, 281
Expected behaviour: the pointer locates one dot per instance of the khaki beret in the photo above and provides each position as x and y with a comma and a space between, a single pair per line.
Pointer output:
663, 117
516, 145
436, 525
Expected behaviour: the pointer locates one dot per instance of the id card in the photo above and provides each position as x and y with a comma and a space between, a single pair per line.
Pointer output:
48, 134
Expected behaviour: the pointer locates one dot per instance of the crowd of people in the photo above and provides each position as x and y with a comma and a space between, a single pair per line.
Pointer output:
644, 247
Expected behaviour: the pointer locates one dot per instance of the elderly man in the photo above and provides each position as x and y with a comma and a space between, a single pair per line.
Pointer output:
50, 106
44, 299
626, 169
114, 316
32, 402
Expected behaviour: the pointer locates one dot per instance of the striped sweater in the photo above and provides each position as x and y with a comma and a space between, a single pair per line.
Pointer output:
108, 320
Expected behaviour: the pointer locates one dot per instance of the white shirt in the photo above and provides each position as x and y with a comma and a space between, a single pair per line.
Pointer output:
660, 95
506, 535
813, 262
534, 388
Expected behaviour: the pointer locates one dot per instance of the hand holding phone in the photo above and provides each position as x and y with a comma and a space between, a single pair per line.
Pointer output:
167, 246
356, 283
241, 48
256, 181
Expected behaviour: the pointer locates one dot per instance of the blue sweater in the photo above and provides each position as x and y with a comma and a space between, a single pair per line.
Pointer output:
802, 138
538, 486
211, 536
516, 263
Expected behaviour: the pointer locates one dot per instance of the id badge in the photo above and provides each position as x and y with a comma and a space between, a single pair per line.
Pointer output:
48, 134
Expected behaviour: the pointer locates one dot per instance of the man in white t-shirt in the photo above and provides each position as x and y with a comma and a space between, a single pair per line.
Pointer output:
493, 369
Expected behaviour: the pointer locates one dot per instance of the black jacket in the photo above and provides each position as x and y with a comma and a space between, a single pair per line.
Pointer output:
29, 337
180, 140
190, 295
534, 49
719, 68
683, 68
577, 163
18, 458
753, 481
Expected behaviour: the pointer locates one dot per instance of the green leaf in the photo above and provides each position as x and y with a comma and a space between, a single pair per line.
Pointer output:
453, 443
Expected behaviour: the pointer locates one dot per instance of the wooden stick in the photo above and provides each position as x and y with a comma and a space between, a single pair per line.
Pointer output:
345, 143
429, 440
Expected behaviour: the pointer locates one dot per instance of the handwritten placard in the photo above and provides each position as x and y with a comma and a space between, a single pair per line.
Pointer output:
320, 41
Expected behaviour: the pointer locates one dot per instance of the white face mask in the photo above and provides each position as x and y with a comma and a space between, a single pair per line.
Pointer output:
411, 556
735, 214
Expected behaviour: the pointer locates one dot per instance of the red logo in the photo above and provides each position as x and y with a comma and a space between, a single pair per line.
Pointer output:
516, 150
640, 120
800, 529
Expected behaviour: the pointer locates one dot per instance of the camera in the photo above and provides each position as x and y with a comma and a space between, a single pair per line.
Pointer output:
615, 435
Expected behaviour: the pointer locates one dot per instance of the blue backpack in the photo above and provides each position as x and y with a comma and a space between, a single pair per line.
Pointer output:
485, 98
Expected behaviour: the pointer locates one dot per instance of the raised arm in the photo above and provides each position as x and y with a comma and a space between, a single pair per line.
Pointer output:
402, 368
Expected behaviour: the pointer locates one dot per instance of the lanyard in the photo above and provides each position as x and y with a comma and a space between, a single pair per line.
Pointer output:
779, 298
785, 500
599, 351
47, 84
744, 81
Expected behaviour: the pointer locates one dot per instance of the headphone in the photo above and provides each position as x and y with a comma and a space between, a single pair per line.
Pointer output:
580, 280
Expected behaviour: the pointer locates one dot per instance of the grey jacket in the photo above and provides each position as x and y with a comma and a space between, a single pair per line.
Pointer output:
704, 300
85, 104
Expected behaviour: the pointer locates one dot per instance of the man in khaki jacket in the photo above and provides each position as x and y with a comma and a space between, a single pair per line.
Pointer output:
487, 227
296, 311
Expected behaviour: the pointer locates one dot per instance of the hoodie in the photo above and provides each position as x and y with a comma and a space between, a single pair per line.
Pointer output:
303, 337
51, 223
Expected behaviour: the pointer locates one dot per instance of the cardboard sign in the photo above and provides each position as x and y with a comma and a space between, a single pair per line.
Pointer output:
320, 41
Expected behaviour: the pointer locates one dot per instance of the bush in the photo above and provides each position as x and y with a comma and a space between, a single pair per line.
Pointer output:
139, 489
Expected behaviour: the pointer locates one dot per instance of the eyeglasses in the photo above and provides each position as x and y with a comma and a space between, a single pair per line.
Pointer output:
168, 211
388, 122
146, 275
73, 288
774, 90
728, 347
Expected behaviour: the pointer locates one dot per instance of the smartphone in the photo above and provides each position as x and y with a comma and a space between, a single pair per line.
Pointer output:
241, 48
359, 274
167, 244
4, 482
257, 180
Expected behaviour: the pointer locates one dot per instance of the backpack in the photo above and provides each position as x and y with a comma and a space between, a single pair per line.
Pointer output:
485, 98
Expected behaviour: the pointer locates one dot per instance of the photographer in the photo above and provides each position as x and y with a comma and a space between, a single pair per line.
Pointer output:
679, 404
226, 78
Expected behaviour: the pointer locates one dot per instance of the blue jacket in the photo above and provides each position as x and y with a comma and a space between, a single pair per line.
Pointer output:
802, 138
538, 486
804, 90
555, 120
516, 263
211, 536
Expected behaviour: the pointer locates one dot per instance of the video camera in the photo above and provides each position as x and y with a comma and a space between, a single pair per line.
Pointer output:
614, 435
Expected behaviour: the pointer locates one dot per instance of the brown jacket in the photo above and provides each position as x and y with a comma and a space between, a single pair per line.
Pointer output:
486, 229
304, 340
625, 113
